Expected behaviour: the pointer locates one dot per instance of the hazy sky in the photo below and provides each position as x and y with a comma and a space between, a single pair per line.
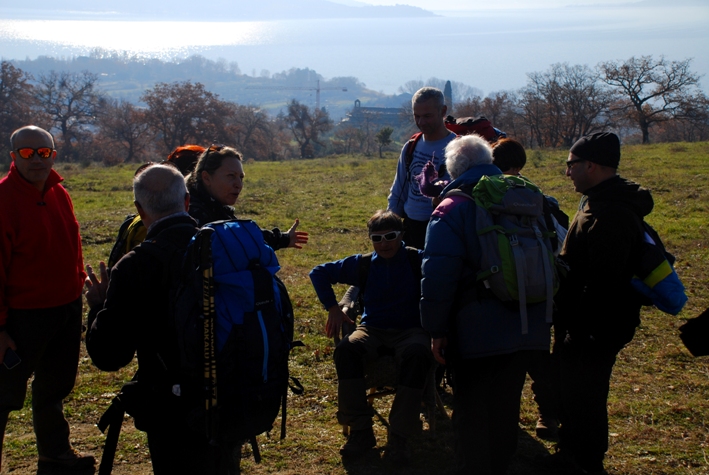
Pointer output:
487, 4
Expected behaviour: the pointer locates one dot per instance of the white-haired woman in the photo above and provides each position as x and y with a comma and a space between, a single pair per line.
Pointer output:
475, 333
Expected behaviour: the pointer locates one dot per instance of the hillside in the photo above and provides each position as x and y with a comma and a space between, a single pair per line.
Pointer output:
125, 77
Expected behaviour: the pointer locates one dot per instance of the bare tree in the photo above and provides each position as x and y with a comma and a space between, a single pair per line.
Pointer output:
124, 125
564, 103
17, 103
183, 112
307, 126
347, 139
71, 102
253, 131
655, 90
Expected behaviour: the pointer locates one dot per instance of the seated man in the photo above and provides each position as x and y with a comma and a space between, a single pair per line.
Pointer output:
390, 284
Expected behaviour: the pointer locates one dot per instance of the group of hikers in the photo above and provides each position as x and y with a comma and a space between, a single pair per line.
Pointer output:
431, 293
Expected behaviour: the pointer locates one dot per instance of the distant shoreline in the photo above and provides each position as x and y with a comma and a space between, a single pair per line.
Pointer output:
187, 10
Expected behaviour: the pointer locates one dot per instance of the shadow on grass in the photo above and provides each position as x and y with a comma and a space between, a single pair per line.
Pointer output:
436, 454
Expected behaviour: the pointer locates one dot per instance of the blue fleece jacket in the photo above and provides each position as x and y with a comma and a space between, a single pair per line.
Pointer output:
391, 297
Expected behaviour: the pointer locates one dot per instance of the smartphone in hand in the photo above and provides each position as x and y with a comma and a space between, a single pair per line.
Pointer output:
11, 359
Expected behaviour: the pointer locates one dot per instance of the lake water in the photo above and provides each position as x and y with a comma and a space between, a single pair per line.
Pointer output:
490, 50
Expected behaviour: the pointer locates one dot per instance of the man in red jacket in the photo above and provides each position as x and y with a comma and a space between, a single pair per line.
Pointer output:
41, 280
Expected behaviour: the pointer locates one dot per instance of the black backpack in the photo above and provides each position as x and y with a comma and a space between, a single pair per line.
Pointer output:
234, 326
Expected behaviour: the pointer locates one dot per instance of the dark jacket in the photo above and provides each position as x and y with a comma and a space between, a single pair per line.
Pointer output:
596, 299
136, 314
477, 324
205, 209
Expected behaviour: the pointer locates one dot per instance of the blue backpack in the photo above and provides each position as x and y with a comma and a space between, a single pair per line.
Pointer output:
234, 326
655, 277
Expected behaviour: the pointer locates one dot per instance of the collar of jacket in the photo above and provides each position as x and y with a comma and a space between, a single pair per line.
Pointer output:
472, 175
53, 179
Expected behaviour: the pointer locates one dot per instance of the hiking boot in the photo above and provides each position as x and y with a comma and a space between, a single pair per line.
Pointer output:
397, 451
71, 459
358, 442
547, 428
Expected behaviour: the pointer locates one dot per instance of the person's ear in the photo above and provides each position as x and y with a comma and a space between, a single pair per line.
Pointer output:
187, 201
206, 178
140, 209
14, 157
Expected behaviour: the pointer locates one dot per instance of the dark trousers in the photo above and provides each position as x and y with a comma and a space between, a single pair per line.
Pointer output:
415, 232
486, 401
586, 369
175, 449
544, 371
48, 343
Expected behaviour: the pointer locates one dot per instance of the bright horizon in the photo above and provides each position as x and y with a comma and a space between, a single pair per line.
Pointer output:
463, 5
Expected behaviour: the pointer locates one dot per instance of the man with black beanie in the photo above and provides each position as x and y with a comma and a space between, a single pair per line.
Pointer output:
598, 310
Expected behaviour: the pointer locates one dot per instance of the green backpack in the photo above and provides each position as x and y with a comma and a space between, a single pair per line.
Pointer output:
517, 262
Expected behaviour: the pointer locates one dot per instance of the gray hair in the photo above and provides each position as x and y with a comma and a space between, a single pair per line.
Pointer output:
465, 152
426, 93
160, 190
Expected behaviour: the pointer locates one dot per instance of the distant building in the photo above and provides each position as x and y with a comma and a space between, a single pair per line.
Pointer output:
377, 116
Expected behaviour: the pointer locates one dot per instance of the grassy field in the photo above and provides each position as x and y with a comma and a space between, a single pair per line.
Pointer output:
659, 403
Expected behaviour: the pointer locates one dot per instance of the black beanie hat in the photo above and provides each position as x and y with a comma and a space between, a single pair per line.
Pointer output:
602, 148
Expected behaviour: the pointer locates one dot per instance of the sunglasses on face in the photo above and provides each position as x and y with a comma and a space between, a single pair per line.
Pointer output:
570, 163
28, 152
390, 236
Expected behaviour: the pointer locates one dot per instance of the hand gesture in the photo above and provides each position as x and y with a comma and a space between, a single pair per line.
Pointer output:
95, 288
297, 238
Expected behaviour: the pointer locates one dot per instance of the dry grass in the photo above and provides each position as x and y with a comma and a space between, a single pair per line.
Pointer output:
659, 404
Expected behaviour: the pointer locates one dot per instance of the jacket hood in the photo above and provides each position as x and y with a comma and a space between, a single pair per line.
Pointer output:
618, 190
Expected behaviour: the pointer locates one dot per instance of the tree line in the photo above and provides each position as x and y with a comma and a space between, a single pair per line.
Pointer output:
634, 98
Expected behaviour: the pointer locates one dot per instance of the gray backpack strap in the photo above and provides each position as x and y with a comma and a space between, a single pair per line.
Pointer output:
548, 276
521, 267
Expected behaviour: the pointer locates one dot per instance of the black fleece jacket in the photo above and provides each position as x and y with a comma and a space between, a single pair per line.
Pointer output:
596, 300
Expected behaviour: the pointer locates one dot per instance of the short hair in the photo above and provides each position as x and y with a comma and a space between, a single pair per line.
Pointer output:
463, 153
210, 160
427, 93
384, 220
160, 190
185, 157
508, 153
32, 128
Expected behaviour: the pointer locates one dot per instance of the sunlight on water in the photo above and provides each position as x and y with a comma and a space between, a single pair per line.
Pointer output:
490, 50
138, 37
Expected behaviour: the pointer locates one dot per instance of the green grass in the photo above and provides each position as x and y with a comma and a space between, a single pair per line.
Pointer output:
659, 403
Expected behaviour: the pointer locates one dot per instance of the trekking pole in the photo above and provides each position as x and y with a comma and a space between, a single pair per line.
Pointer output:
210, 361
111, 419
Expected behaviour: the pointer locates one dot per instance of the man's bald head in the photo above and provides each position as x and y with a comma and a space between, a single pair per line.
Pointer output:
35, 169
23, 133
160, 191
